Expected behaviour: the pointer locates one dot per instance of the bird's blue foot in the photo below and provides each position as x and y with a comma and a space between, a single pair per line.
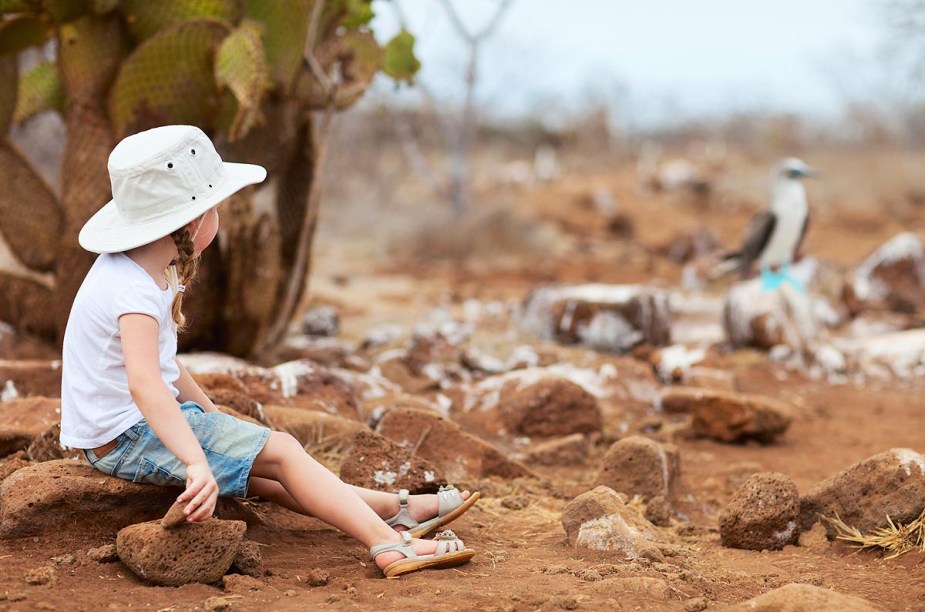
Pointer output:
773, 280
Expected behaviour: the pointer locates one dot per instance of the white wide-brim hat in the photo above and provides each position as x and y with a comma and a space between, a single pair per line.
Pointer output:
162, 179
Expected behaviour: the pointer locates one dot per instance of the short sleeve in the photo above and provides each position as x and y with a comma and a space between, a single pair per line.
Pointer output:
140, 298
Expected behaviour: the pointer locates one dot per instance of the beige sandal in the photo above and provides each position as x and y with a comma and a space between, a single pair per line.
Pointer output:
450, 506
451, 552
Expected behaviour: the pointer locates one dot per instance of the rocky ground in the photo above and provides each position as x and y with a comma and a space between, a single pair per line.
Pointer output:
628, 456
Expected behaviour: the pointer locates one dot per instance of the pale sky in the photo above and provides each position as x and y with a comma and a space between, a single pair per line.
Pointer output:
662, 58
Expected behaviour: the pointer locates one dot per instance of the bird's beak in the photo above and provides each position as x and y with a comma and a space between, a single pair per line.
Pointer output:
809, 172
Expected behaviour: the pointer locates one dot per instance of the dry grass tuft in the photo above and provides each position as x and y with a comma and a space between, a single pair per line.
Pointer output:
898, 539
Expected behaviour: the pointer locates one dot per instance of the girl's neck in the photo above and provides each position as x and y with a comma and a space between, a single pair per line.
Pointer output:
154, 258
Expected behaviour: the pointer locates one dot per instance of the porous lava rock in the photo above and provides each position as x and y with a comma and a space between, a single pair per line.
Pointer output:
804, 598
31, 377
377, 463
249, 560
372, 410
459, 455
193, 552
891, 483
758, 318
567, 450
42, 497
23, 419
608, 317
47, 446
637, 465
764, 514
729, 417
532, 403
892, 278
12, 463
318, 430
240, 402
601, 520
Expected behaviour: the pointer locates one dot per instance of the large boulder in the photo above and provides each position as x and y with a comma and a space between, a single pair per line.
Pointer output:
804, 598
318, 430
889, 484
26, 378
300, 383
640, 466
378, 463
762, 319
764, 514
601, 520
727, 416
891, 278
532, 403
458, 454
192, 552
23, 419
608, 317
42, 497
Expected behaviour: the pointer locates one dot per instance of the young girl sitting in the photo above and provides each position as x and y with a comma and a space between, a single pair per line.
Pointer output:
138, 414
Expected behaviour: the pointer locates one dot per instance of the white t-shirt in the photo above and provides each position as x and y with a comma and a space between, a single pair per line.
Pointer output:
96, 405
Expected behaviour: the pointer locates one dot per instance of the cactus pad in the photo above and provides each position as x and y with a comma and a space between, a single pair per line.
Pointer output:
169, 79
400, 62
20, 33
241, 66
39, 90
8, 74
286, 23
30, 218
146, 17
89, 52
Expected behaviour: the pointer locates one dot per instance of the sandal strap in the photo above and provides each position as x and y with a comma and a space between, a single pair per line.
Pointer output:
403, 517
404, 547
448, 499
447, 542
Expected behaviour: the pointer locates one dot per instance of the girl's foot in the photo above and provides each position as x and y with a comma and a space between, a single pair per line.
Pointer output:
420, 547
421, 507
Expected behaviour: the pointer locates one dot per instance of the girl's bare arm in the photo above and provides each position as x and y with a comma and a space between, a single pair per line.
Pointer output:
161, 410
192, 392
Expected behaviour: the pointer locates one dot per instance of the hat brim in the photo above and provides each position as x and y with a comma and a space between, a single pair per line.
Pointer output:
107, 232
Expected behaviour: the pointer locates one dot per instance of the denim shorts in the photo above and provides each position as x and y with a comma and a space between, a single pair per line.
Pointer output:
230, 446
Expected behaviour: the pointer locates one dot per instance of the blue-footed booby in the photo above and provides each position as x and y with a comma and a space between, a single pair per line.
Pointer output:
775, 234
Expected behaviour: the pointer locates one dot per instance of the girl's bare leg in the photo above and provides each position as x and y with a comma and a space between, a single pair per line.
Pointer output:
321, 494
422, 507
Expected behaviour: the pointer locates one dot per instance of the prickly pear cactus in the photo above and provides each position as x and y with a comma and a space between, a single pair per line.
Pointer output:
240, 70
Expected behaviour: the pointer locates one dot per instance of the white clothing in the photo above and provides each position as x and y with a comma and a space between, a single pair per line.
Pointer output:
96, 405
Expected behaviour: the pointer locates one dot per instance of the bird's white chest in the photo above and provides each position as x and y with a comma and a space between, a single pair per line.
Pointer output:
790, 209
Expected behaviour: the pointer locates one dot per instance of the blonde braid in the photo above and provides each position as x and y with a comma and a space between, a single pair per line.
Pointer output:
186, 266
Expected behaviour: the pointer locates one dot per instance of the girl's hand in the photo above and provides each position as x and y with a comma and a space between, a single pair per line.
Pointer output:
201, 492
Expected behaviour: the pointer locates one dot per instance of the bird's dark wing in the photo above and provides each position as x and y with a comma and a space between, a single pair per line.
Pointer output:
756, 238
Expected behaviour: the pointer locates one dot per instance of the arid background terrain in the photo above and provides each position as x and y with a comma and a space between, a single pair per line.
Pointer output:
396, 267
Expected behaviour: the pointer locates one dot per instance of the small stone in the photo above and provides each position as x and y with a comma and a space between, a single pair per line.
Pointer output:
601, 520
239, 583
218, 603
63, 560
317, 577
174, 516
806, 597
292, 593
640, 466
567, 450
104, 554
696, 604
352, 592
658, 511
45, 574
249, 560
515, 502
764, 514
